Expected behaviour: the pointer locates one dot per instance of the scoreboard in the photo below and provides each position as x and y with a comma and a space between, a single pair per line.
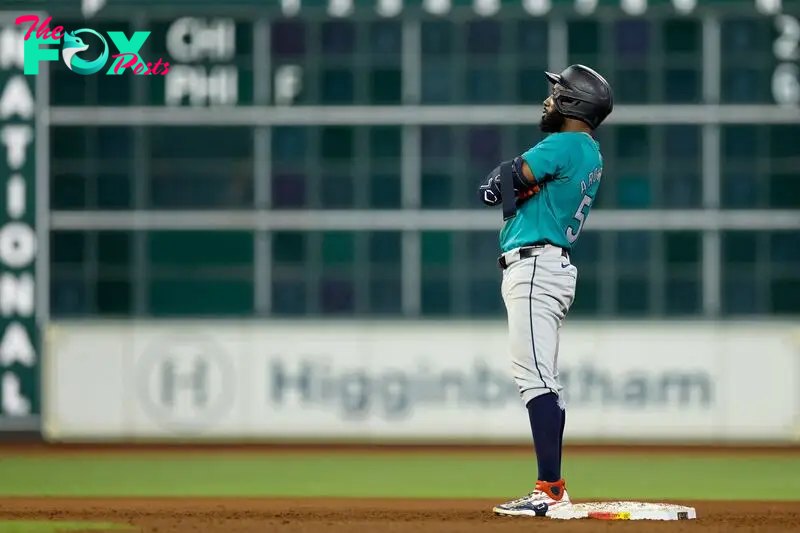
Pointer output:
351, 52
383, 112
276, 116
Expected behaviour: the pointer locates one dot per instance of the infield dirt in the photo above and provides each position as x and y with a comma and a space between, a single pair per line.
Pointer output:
373, 516
266, 515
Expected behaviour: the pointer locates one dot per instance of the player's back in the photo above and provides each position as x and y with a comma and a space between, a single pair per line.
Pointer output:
570, 165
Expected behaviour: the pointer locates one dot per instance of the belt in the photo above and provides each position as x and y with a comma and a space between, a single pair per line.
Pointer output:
524, 252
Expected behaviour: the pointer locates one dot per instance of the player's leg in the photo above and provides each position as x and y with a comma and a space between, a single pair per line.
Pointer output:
563, 407
538, 293
553, 294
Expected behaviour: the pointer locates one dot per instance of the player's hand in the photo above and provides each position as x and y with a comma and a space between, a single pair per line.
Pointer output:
524, 196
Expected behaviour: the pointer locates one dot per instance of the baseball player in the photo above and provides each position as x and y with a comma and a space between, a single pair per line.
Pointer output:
547, 193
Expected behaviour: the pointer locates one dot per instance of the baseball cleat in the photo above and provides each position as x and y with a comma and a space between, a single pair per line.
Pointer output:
545, 496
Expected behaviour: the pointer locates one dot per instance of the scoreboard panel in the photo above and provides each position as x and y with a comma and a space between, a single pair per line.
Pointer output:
429, 52
401, 8
336, 52
759, 59
211, 62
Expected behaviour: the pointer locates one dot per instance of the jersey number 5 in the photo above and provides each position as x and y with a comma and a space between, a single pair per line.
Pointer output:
580, 216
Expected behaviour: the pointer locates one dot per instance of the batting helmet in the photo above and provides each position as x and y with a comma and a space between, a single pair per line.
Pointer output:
583, 95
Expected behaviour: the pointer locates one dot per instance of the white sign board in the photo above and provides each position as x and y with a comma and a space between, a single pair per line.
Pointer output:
405, 381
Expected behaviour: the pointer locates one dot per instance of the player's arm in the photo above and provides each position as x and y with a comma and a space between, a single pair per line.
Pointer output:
527, 172
533, 186
544, 161
524, 186
540, 164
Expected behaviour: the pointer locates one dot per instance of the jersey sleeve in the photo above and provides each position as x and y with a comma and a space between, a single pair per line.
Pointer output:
545, 159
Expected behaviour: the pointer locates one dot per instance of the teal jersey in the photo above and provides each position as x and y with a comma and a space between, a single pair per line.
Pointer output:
569, 165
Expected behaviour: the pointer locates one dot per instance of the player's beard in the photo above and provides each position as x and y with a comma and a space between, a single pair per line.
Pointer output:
552, 122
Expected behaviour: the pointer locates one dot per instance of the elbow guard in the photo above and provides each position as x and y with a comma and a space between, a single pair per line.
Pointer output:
521, 183
489, 192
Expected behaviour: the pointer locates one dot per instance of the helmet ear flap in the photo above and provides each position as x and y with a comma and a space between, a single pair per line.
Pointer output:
568, 107
565, 102
576, 109
558, 103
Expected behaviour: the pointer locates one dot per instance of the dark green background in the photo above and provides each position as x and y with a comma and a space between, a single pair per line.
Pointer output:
357, 61
656, 167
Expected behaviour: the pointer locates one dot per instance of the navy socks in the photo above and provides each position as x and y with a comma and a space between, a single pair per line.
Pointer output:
561, 440
547, 425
